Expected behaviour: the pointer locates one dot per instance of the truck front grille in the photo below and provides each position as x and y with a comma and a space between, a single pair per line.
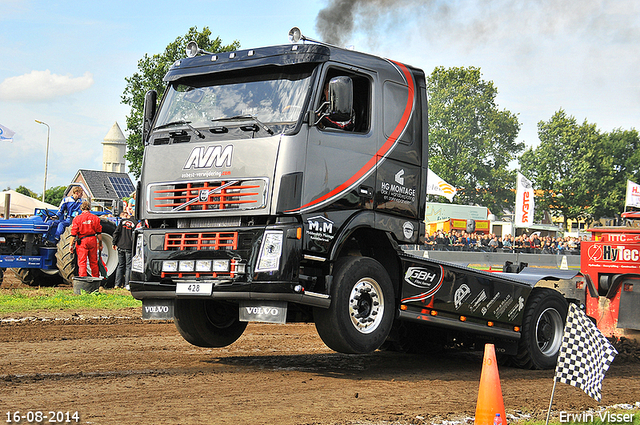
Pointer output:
224, 241
215, 195
201, 241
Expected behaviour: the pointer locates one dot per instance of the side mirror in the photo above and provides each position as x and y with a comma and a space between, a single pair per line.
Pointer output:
148, 113
340, 98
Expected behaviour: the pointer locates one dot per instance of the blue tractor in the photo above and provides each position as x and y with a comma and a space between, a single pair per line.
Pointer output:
36, 261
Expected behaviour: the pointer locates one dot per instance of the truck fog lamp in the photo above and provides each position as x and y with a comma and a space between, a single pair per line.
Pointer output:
137, 262
187, 266
203, 265
270, 251
220, 265
170, 266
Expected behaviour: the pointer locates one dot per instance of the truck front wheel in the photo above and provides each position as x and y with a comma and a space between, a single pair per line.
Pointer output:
542, 330
208, 323
360, 316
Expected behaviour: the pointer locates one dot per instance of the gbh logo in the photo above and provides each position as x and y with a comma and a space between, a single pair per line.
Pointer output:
424, 278
213, 156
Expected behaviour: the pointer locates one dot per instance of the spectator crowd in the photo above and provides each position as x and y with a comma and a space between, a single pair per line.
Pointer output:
479, 242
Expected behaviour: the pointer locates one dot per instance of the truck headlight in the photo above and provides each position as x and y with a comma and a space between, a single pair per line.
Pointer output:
187, 266
270, 251
220, 265
203, 265
170, 266
137, 262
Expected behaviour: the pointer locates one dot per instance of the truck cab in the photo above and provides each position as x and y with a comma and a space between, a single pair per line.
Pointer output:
278, 185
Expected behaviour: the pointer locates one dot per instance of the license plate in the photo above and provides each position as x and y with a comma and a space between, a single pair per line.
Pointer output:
194, 288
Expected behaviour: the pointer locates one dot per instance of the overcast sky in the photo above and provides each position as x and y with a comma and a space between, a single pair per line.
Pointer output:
64, 62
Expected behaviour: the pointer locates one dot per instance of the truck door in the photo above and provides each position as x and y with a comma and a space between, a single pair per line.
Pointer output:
399, 175
339, 174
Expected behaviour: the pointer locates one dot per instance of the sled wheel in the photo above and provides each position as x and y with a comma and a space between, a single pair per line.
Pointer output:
208, 323
360, 316
542, 330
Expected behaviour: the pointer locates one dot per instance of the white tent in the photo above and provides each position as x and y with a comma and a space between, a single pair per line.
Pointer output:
21, 204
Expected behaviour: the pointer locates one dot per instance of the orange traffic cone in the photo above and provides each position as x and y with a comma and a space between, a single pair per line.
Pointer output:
490, 394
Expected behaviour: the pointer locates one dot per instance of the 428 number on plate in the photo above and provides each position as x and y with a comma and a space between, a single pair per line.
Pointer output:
194, 288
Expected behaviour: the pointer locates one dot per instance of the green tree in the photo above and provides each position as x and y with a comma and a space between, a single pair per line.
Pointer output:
27, 192
621, 162
471, 141
151, 71
567, 168
54, 195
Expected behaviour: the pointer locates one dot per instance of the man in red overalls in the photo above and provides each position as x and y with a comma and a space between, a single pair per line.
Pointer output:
85, 228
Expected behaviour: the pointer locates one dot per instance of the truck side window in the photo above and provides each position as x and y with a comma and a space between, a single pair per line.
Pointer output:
394, 97
361, 116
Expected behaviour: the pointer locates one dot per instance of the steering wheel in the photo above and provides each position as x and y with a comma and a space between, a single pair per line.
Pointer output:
49, 214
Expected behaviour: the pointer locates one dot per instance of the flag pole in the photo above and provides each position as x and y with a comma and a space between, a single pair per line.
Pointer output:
553, 391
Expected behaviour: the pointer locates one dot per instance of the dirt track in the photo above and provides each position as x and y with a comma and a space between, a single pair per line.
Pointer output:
122, 370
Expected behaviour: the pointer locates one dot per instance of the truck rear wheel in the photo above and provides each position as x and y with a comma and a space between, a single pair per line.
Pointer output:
360, 316
542, 330
208, 323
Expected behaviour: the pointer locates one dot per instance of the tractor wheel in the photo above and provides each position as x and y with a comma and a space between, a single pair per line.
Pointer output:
66, 260
37, 277
360, 316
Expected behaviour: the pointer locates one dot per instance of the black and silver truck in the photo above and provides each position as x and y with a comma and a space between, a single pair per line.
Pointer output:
278, 185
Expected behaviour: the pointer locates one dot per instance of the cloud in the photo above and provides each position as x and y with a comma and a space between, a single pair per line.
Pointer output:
42, 85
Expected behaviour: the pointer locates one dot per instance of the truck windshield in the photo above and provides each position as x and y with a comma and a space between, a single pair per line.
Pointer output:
274, 98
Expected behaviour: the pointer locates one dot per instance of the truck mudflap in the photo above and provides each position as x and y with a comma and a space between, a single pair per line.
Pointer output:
157, 309
463, 299
249, 311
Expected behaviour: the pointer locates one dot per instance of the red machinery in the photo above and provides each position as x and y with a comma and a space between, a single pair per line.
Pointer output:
611, 263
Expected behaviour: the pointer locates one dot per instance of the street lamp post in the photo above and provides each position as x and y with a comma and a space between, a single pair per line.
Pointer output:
46, 159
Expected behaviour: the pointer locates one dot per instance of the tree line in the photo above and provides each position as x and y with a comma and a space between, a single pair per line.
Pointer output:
578, 171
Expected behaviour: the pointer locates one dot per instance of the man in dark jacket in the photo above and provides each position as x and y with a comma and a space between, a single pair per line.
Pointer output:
123, 242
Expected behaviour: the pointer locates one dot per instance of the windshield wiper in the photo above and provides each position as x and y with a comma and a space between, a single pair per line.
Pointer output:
183, 122
246, 117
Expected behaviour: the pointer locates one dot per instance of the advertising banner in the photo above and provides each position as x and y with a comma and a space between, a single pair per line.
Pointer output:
524, 202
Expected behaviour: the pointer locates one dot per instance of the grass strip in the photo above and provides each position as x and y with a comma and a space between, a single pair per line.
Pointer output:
30, 299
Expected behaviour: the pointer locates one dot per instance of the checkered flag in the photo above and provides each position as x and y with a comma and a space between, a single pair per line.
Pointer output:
585, 354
